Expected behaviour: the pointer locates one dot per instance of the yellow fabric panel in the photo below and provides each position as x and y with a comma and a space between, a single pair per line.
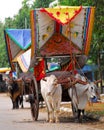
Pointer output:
21, 65
62, 15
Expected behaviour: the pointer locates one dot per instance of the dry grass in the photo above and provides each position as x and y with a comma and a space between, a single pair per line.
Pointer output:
95, 110
95, 107
92, 107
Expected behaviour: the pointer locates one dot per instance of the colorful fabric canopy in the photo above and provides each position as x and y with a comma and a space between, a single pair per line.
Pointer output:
17, 42
21, 37
58, 45
62, 14
72, 22
24, 60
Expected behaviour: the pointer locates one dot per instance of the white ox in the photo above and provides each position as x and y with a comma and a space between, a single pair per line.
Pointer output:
52, 93
80, 94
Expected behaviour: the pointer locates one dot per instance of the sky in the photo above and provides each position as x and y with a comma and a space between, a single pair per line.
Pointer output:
9, 8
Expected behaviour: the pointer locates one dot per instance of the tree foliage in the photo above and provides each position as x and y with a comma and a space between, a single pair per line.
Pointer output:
42, 3
3, 56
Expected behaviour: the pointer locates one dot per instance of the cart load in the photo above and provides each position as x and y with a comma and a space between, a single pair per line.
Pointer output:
65, 34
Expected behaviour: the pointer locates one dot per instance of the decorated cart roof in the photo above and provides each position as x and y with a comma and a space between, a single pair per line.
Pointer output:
24, 60
21, 37
17, 42
58, 45
63, 14
55, 31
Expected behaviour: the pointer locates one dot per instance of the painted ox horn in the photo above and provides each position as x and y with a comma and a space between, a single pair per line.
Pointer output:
98, 81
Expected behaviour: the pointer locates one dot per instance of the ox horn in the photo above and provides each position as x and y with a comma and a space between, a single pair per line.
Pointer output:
56, 83
98, 81
44, 79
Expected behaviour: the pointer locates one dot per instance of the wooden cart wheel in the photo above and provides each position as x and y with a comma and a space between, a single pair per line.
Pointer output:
34, 99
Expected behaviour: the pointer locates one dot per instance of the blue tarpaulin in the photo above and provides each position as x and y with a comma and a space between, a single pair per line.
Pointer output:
21, 37
88, 68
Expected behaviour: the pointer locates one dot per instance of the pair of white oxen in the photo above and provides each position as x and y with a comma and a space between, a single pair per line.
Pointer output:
79, 94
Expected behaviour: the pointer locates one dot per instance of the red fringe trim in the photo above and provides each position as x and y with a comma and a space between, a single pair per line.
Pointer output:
51, 15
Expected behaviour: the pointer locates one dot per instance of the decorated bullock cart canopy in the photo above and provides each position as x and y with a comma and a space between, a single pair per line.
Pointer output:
62, 30
18, 42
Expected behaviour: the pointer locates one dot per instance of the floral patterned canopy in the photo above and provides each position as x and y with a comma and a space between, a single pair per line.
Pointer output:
63, 14
74, 23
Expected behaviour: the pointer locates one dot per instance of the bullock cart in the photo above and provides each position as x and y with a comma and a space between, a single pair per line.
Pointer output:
61, 38
60, 43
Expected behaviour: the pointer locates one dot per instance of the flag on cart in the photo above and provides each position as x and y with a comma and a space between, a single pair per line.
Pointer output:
39, 70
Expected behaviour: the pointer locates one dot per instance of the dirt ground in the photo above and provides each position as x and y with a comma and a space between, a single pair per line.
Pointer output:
97, 111
94, 114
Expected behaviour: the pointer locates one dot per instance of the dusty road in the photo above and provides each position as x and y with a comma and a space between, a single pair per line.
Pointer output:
21, 119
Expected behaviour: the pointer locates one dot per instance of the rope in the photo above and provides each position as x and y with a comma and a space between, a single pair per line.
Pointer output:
81, 70
70, 51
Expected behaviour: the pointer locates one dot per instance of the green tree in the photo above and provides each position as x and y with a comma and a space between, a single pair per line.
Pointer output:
22, 19
98, 33
3, 54
9, 23
42, 3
